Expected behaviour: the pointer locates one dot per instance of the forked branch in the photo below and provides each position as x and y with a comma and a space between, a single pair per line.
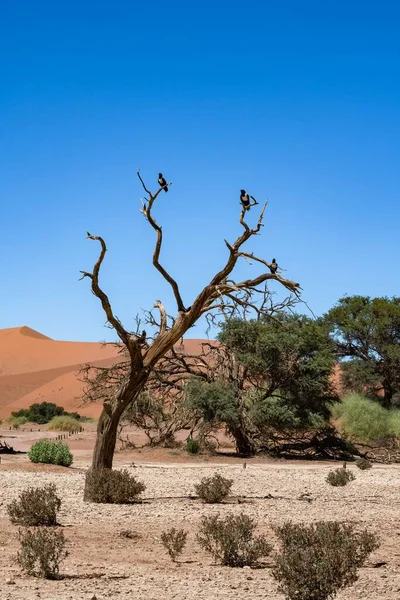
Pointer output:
129, 341
146, 210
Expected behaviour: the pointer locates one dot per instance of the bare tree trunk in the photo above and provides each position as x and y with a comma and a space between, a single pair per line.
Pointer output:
107, 427
106, 439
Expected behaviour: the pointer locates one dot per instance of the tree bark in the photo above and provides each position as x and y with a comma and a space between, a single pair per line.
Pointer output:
107, 427
243, 441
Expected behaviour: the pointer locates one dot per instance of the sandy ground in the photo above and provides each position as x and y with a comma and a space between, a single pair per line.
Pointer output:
104, 565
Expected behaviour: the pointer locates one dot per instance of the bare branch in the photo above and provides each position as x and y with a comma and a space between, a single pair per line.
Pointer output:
163, 315
146, 210
125, 337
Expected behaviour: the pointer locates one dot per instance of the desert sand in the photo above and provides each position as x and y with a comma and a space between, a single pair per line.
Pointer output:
105, 565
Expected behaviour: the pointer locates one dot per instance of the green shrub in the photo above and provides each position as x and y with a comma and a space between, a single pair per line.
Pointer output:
106, 486
63, 423
231, 541
363, 464
174, 541
365, 420
394, 423
35, 506
213, 489
318, 560
43, 413
42, 551
16, 422
340, 477
192, 446
50, 452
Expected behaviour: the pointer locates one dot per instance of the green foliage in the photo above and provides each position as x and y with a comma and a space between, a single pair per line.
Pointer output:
16, 422
318, 560
340, 477
270, 375
214, 402
50, 452
43, 413
42, 551
363, 464
231, 540
35, 506
63, 423
174, 541
367, 333
106, 486
365, 420
192, 446
213, 489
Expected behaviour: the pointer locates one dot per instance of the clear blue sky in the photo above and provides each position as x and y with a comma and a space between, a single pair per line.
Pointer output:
298, 102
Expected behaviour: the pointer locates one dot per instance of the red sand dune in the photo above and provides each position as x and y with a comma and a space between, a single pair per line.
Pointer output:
35, 368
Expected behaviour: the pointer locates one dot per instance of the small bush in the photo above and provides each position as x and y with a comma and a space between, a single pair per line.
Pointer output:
106, 486
318, 560
363, 464
213, 489
340, 477
174, 541
129, 534
231, 541
51, 452
42, 551
16, 422
63, 423
192, 446
35, 506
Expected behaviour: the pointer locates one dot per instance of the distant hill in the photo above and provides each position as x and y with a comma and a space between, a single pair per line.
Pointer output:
35, 368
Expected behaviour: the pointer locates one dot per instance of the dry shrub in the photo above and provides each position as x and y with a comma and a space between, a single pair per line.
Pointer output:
42, 551
318, 560
340, 477
106, 486
129, 534
213, 489
363, 464
174, 541
35, 506
230, 540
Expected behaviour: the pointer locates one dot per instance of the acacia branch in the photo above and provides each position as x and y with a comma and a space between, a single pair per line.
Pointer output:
129, 341
234, 248
163, 316
146, 210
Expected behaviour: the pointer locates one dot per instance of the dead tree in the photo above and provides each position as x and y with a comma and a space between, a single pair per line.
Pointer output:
222, 294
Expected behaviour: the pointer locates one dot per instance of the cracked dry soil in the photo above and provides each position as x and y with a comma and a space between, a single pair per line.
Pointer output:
102, 564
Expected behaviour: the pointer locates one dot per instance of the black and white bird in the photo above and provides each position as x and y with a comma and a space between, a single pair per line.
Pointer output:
273, 266
245, 199
162, 182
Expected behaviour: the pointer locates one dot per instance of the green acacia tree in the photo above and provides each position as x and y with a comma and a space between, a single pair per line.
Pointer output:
366, 332
268, 376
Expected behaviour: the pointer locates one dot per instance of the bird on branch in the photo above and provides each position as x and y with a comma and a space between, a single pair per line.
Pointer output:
273, 266
245, 199
162, 182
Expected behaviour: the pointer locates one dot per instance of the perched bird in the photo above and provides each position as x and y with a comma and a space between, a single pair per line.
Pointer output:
142, 337
273, 267
162, 182
245, 199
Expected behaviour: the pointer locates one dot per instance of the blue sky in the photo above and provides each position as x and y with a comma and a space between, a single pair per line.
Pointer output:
297, 102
